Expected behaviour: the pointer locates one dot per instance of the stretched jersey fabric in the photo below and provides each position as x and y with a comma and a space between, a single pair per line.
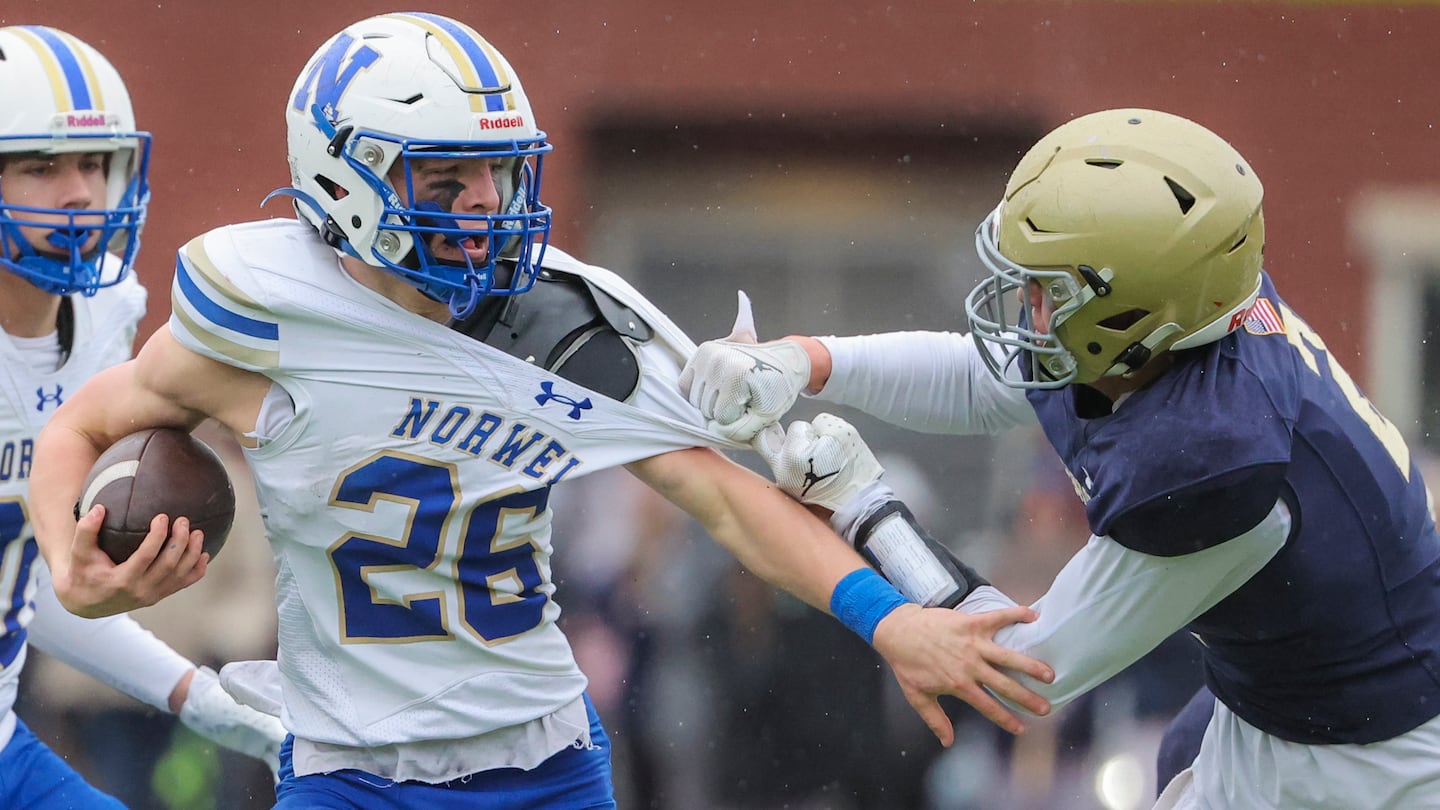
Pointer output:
407, 500
104, 331
1337, 639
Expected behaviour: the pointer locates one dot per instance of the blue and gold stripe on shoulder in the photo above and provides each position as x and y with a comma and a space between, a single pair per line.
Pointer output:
67, 67
210, 310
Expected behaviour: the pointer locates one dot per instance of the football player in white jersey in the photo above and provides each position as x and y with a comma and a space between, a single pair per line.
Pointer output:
72, 199
404, 466
1236, 482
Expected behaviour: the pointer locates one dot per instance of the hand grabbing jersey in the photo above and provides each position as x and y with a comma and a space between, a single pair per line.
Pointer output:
742, 386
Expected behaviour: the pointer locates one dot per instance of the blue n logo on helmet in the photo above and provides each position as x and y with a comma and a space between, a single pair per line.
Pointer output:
326, 78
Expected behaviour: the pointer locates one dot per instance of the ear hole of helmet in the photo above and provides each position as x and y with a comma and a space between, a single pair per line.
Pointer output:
1124, 320
332, 188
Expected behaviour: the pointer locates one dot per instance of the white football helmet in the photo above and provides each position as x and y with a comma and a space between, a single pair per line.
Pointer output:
401, 87
1144, 231
58, 95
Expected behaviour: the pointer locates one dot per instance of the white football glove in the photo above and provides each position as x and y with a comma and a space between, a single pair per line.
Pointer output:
255, 684
825, 463
210, 712
740, 385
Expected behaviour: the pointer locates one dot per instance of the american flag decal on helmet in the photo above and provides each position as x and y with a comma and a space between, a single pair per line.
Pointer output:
1263, 319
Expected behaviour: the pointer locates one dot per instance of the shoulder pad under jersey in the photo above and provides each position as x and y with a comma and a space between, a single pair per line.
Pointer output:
567, 325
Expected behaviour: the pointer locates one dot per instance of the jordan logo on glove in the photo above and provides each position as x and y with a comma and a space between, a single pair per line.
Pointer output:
811, 479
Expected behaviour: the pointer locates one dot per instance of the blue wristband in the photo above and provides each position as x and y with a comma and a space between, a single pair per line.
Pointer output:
862, 599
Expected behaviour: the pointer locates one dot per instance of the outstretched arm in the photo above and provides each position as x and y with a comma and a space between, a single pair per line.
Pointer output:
934, 382
932, 651
1108, 606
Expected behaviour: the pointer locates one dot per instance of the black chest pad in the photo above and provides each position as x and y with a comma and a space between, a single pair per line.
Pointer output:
568, 326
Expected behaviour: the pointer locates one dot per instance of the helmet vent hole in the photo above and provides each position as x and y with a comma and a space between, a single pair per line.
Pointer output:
1035, 228
335, 190
1185, 198
1244, 237
1093, 348
1104, 163
412, 99
1124, 320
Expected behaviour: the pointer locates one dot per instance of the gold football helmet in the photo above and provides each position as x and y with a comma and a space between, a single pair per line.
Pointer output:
1142, 229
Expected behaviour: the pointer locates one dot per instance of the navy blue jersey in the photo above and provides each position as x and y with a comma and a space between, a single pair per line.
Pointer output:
1337, 639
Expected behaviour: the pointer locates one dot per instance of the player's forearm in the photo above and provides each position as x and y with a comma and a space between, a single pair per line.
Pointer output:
115, 650
63, 457
771, 535
820, 363
1109, 605
933, 382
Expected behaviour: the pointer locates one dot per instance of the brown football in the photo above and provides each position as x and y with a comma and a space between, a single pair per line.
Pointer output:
154, 471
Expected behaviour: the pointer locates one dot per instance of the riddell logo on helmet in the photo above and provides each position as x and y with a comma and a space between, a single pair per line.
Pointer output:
1238, 319
85, 120
503, 122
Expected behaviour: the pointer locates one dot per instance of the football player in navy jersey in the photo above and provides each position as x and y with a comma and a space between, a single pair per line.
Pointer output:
1236, 481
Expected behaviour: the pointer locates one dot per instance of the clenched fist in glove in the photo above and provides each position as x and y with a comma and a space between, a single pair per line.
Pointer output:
740, 385
828, 464
824, 463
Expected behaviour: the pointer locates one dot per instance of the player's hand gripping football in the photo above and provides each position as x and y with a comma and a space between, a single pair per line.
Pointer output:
170, 558
743, 386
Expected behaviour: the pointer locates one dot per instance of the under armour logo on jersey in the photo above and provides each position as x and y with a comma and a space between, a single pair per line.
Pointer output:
46, 399
811, 479
576, 406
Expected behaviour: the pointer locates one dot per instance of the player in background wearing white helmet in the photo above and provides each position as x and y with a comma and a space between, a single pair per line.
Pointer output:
404, 467
73, 192
1236, 481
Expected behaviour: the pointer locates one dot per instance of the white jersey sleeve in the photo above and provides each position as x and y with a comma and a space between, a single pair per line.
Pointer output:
115, 650
933, 382
1110, 605
216, 313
